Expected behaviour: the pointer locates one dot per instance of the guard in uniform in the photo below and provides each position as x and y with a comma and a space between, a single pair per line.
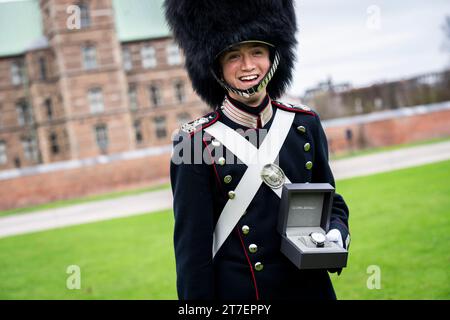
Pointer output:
228, 166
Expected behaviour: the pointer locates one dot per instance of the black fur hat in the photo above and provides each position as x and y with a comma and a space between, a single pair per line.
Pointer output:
203, 28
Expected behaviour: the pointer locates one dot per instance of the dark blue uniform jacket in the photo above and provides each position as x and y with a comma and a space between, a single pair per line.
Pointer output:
200, 194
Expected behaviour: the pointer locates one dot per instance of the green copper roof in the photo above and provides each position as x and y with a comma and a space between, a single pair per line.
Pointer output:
140, 19
21, 23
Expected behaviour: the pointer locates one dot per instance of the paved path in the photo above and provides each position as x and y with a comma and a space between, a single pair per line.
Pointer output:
159, 200
391, 160
85, 213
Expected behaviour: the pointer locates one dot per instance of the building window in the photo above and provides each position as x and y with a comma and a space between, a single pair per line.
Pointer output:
160, 127
24, 115
95, 98
127, 62
155, 95
138, 131
89, 57
179, 91
101, 137
182, 118
3, 157
85, 19
48, 108
30, 149
17, 75
17, 163
148, 56
54, 145
132, 96
378, 103
42, 68
173, 54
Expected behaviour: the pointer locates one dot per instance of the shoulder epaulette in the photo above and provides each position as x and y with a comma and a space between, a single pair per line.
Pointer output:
200, 123
294, 107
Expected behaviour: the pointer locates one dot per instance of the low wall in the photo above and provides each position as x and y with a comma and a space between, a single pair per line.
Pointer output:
76, 181
77, 178
388, 128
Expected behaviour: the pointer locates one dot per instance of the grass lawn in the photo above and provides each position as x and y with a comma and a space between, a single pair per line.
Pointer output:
127, 258
400, 222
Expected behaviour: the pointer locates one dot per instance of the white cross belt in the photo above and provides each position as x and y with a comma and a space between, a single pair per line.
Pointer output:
255, 159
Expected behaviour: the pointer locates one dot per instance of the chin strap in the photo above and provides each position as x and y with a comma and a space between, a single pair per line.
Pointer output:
257, 87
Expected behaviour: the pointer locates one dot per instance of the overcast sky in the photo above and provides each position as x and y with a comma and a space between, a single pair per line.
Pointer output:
368, 41
363, 42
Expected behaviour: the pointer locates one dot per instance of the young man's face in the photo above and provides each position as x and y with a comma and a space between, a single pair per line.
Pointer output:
244, 66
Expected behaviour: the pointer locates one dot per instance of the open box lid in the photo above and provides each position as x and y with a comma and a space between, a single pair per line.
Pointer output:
305, 206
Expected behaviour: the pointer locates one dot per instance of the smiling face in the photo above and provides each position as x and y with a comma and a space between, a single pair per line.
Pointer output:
244, 66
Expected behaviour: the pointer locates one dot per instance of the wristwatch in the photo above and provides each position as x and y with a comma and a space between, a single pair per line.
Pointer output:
318, 239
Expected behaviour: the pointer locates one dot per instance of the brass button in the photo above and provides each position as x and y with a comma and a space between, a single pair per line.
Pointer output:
221, 161
301, 129
227, 179
245, 229
215, 143
253, 248
307, 147
309, 165
259, 266
231, 194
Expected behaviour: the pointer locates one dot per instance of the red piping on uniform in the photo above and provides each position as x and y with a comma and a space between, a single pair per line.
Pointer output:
292, 109
249, 263
214, 165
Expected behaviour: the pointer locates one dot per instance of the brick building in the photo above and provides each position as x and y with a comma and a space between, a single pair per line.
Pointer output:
91, 92
80, 79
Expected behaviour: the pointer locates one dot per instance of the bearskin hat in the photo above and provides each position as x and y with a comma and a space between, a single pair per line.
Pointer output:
204, 28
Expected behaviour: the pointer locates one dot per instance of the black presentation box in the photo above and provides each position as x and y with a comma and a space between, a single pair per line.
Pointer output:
306, 208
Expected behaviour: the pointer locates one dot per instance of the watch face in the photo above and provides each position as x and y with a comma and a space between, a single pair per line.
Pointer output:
318, 238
